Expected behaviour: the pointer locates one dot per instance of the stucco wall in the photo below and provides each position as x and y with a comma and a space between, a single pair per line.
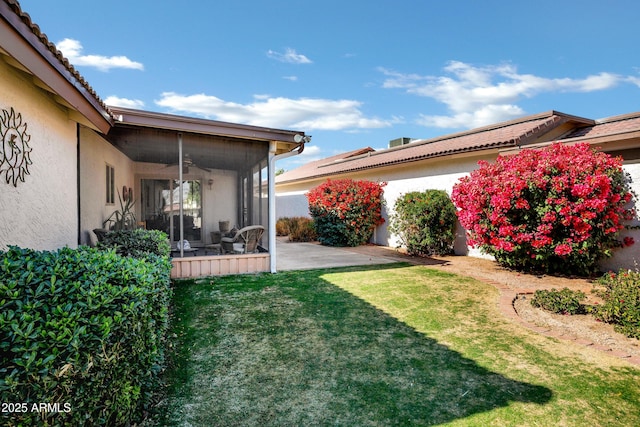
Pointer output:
95, 154
40, 213
628, 257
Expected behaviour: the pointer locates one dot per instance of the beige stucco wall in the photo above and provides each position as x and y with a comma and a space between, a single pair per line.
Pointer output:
95, 154
40, 213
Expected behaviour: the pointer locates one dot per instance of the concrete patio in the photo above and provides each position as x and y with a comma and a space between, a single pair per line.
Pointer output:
306, 256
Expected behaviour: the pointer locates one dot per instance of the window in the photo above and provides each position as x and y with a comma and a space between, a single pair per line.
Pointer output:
111, 185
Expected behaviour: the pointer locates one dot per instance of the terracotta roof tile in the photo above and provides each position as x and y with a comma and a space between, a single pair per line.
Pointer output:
608, 126
14, 5
500, 135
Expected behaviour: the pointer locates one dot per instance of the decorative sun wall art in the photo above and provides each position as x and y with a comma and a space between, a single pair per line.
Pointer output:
14, 147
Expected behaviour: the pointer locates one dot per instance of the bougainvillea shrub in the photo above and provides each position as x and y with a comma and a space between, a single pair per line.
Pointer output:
555, 210
425, 222
345, 212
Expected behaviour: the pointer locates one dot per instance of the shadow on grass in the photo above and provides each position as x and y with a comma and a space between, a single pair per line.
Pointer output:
293, 349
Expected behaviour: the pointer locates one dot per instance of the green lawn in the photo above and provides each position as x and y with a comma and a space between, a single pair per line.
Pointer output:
378, 346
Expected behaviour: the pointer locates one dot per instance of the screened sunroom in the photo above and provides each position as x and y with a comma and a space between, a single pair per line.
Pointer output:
199, 181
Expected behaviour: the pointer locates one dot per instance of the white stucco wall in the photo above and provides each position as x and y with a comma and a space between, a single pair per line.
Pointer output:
628, 257
95, 154
40, 213
292, 204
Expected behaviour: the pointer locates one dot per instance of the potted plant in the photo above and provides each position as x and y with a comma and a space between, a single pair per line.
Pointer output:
120, 219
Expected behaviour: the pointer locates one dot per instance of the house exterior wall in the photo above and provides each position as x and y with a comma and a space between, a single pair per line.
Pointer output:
40, 213
95, 154
629, 257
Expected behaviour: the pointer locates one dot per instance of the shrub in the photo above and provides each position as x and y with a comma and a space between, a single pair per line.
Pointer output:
282, 226
346, 212
564, 301
621, 301
301, 229
425, 222
554, 210
137, 243
82, 328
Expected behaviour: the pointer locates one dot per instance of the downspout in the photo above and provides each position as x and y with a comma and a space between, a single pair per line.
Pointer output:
273, 157
78, 184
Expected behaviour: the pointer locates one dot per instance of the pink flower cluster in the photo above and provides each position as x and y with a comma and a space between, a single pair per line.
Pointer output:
561, 201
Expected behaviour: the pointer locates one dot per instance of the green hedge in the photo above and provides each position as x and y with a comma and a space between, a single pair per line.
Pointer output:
425, 222
84, 329
137, 243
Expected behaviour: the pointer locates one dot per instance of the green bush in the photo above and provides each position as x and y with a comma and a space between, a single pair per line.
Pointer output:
137, 243
346, 212
425, 222
621, 301
82, 328
564, 301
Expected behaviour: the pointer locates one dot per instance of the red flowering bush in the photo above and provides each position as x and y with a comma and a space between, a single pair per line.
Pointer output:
553, 210
345, 212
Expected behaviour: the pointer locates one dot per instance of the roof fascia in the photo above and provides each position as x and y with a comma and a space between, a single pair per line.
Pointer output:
25, 47
487, 151
148, 119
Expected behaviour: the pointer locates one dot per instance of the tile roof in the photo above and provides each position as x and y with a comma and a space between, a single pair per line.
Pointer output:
501, 135
14, 5
610, 126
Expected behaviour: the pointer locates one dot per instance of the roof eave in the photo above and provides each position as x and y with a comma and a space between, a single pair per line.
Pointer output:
35, 57
285, 139
485, 150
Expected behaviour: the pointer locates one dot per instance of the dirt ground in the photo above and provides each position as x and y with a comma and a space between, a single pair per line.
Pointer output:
516, 291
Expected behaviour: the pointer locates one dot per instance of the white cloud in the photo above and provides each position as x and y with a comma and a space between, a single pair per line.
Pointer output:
290, 56
476, 96
291, 78
72, 50
124, 102
311, 153
303, 113
634, 80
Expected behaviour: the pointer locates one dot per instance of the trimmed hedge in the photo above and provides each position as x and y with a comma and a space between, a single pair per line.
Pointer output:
84, 329
137, 243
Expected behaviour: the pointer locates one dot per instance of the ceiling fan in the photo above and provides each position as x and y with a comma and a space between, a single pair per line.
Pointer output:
187, 162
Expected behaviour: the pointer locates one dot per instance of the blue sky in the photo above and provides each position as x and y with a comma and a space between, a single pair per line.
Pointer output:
353, 73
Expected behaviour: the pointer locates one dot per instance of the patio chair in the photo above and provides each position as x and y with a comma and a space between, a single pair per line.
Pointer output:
245, 241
